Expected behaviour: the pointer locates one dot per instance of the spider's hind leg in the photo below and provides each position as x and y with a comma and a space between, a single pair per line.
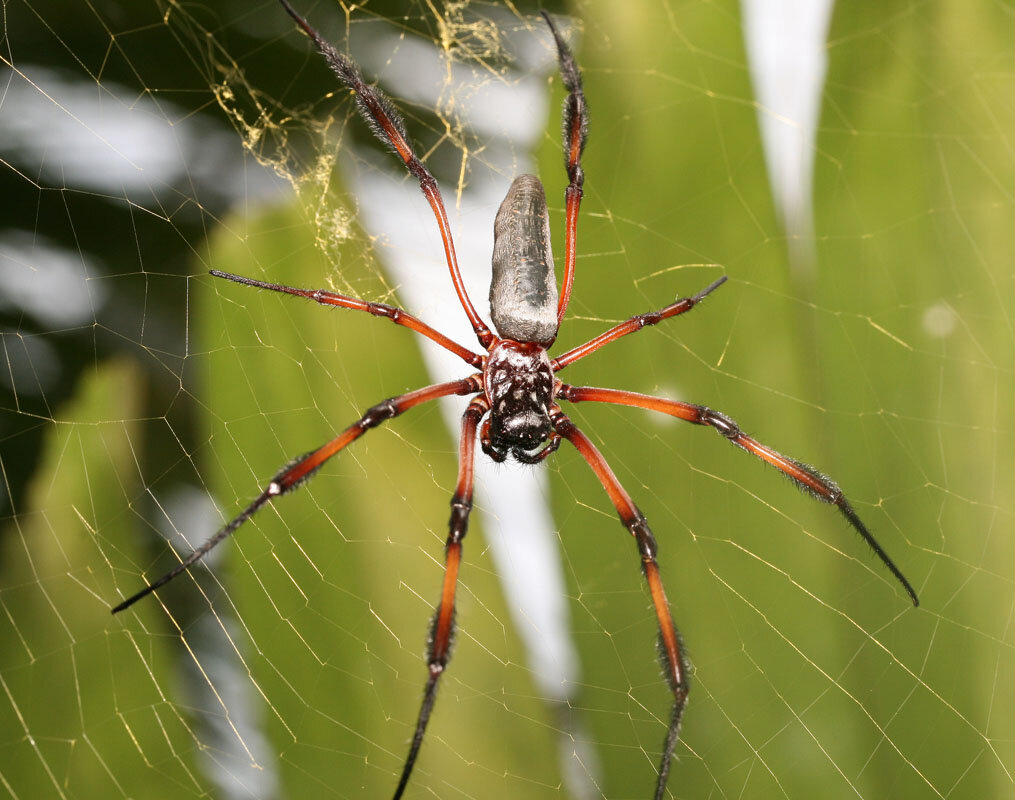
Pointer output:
680, 306
387, 125
575, 126
396, 315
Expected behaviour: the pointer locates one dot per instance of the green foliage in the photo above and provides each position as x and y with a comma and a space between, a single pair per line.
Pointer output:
888, 367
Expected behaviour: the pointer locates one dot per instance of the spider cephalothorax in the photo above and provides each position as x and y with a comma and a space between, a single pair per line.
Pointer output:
517, 382
519, 387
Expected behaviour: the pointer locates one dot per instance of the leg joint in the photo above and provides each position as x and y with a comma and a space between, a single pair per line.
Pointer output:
577, 176
384, 310
649, 318
420, 172
379, 413
459, 522
723, 424
639, 528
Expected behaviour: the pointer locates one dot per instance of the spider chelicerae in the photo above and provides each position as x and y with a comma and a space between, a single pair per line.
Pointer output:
515, 408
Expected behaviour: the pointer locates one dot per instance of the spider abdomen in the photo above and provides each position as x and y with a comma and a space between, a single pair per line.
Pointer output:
523, 292
519, 388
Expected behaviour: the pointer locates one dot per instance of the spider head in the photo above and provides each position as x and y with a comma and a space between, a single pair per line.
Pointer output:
519, 387
520, 433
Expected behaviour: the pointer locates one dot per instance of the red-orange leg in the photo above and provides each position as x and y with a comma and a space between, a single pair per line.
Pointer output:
819, 486
300, 470
575, 133
671, 648
396, 315
388, 126
633, 324
442, 627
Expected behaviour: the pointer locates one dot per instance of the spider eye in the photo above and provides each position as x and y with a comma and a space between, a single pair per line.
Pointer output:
525, 430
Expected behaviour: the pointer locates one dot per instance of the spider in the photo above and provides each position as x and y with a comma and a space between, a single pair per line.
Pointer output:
515, 408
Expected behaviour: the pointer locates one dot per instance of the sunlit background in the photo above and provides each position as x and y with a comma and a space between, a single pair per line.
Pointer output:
848, 167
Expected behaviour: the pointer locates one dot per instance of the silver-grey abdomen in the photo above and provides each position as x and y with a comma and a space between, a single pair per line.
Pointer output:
523, 293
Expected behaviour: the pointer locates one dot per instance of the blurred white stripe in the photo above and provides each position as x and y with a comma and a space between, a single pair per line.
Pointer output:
786, 53
508, 114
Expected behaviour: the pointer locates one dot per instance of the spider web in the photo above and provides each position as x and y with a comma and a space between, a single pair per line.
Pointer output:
144, 143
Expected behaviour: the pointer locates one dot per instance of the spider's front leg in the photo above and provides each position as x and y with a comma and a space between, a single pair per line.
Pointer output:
443, 626
818, 486
672, 650
302, 469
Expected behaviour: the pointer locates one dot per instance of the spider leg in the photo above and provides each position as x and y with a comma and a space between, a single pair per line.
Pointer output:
671, 648
575, 132
487, 444
635, 323
388, 126
443, 625
300, 470
806, 477
396, 315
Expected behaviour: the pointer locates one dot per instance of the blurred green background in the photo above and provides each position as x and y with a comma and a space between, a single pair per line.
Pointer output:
295, 665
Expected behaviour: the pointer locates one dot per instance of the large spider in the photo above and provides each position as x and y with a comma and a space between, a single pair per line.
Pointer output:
515, 407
